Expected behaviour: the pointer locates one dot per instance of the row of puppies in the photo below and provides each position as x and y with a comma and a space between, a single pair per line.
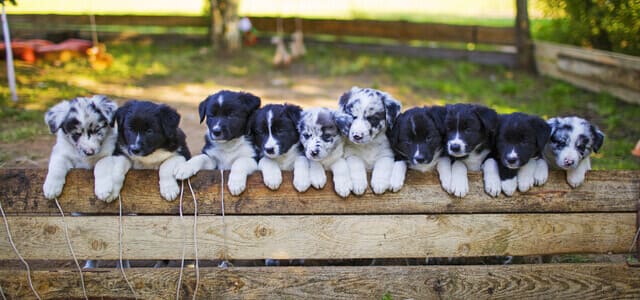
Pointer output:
367, 132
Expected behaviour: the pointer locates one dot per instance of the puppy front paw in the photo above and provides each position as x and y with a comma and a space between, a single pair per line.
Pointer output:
525, 182
237, 184
272, 178
359, 185
459, 186
185, 170
301, 183
169, 189
103, 189
541, 174
397, 182
318, 179
509, 186
379, 184
53, 187
342, 186
492, 185
575, 179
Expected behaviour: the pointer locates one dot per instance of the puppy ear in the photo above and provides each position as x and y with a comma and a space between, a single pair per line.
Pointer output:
56, 115
202, 108
437, 114
106, 107
393, 134
250, 127
300, 126
343, 121
169, 120
392, 108
294, 112
598, 138
543, 131
489, 119
251, 101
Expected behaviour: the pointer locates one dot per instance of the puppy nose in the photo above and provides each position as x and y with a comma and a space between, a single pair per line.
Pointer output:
512, 160
454, 147
419, 158
269, 150
357, 136
89, 151
216, 131
135, 149
568, 162
315, 152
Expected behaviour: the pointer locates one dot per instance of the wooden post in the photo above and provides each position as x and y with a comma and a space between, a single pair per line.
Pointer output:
524, 45
224, 22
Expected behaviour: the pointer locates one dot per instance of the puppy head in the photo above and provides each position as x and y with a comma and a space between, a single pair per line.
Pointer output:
469, 126
572, 139
417, 134
520, 138
85, 122
319, 133
274, 128
371, 112
144, 127
227, 114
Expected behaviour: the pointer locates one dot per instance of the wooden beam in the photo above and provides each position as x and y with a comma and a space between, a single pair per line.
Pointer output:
542, 281
603, 191
523, 36
323, 237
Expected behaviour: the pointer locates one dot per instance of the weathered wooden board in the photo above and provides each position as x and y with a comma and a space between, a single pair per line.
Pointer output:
594, 70
323, 237
546, 281
603, 191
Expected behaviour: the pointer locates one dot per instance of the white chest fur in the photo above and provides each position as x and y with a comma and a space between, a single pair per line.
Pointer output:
335, 155
287, 160
228, 152
378, 148
151, 161
474, 160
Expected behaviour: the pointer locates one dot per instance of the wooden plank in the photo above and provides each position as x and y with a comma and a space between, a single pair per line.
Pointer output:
324, 237
543, 281
603, 191
48, 20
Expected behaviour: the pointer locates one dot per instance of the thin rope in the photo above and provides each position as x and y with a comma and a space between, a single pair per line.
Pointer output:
195, 237
73, 254
225, 262
120, 249
184, 245
635, 239
15, 249
2, 293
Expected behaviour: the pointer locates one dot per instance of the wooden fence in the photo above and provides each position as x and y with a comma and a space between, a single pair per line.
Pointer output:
419, 221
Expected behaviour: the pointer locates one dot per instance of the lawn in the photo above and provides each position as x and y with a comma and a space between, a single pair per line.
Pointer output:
182, 74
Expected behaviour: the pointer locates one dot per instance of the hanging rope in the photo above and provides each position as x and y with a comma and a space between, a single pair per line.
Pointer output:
2, 293
120, 249
195, 237
15, 249
73, 254
184, 245
225, 258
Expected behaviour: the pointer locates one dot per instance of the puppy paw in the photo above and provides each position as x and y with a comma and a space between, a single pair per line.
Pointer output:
525, 182
342, 186
318, 179
185, 170
237, 184
169, 190
359, 185
272, 178
459, 186
53, 187
492, 185
509, 186
541, 174
575, 179
301, 183
379, 184
103, 189
397, 182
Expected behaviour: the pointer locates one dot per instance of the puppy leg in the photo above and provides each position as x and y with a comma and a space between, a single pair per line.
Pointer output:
397, 175
317, 175
271, 174
240, 169
575, 177
56, 176
301, 180
444, 172
491, 177
341, 179
526, 175
103, 186
169, 188
459, 180
542, 172
381, 175
120, 167
358, 174
193, 166
509, 185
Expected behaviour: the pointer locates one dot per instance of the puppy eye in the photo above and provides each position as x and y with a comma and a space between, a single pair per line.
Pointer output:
306, 136
326, 136
149, 131
76, 136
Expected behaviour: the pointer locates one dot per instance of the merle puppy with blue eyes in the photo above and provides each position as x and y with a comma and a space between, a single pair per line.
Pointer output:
516, 161
148, 138
570, 146
228, 142
276, 138
417, 141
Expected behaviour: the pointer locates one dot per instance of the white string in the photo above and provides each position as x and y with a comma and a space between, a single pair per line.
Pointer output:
73, 254
184, 245
635, 239
195, 237
120, 252
6, 224
225, 262
2, 293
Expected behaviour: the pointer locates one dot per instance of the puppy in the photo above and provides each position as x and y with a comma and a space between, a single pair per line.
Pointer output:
572, 141
417, 141
470, 134
516, 161
369, 113
85, 133
324, 147
148, 138
228, 143
275, 136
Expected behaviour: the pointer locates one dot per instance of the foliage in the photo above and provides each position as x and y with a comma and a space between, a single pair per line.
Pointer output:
10, 1
612, 25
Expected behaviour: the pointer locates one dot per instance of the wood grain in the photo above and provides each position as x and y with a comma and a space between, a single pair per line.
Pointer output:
324, 237
603, 191
545, 281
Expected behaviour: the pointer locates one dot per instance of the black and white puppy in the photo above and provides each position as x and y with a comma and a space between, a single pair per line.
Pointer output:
516, 161
276, 138
572, 141
85, 133
370, 114
417, 141
324, 147
148, 138
228, 143
470, 135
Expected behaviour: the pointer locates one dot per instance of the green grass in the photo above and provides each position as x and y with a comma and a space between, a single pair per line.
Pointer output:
413, 81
